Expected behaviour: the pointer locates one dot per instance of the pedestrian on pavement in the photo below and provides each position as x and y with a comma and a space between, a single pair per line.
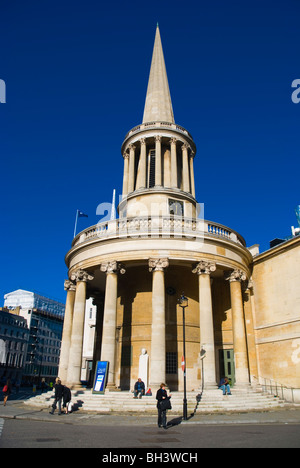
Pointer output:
67, 396
43, 385
7, 391
139, 388
224, 385
58, 395
163, 403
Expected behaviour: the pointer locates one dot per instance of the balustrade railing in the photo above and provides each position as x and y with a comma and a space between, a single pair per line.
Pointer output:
147, 125
158, 226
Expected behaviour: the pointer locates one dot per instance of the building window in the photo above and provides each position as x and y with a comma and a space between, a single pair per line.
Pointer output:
152, 169
171, 363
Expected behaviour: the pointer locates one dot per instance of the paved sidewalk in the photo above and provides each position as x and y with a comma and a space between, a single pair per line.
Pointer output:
18, 410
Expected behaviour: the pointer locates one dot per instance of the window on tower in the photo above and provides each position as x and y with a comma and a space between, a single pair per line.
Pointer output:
152, 169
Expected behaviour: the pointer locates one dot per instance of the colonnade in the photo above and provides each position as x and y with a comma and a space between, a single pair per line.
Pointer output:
136, 173
71, 351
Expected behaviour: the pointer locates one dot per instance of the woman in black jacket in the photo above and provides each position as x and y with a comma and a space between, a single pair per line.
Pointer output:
161, 397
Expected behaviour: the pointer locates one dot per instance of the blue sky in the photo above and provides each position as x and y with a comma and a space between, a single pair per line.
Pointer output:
76, 76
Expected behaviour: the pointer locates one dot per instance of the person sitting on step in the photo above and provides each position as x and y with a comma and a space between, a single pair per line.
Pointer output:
224, 385
139, 389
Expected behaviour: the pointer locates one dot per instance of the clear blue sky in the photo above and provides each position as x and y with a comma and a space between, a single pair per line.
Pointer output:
76, 75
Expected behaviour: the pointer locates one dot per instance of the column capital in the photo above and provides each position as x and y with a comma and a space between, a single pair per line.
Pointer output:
157, 137
125, 155
236, 275
81, 275
131, 147
173, 141
158, 264
69, 285
204, 267
112, 267
185, 146
143, 141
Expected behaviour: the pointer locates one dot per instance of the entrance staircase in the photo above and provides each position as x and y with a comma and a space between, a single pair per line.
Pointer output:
240, 400
210, 401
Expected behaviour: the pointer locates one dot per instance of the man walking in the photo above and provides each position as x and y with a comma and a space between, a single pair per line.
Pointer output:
59, 392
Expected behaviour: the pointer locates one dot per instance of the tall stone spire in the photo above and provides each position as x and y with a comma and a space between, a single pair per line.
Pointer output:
158, 105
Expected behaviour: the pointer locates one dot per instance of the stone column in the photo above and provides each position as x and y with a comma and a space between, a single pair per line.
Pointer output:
185, 168
207, 339
192, 175
249, 311
173, 163
75, 357
158, 175
238, 325
158, 332
167, 168
141, 180
108, 349
125, 175
67, 331
131, 168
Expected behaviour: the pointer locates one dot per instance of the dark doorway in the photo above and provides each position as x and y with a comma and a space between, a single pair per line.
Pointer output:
227, 366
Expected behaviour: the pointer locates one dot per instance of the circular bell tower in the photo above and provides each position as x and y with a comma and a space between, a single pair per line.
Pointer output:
158, 154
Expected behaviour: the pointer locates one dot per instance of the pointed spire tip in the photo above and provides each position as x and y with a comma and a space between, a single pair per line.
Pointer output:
158, 105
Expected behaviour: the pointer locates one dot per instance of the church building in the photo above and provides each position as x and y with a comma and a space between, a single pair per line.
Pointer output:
243, 314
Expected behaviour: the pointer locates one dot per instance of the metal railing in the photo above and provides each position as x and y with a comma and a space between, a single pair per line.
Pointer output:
286, 393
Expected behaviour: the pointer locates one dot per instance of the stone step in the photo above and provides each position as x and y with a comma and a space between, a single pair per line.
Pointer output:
212, 400
248, 399
114, 402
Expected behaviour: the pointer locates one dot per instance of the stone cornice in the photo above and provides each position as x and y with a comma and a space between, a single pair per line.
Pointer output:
81, 275
112, 267
164, 129
204, 267
69, 285
158, 264
236, 275
279, 249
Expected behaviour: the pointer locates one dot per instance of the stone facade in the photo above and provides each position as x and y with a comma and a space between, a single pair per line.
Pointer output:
136, 268
275, 299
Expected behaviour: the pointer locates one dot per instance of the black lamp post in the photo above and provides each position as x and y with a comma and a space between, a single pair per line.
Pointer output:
183, 303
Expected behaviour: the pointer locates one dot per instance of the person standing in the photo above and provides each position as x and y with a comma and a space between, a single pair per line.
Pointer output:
7, 391
162, 399
43, 385
67, 396
58, 395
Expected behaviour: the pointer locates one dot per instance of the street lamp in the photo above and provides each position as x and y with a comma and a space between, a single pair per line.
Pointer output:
183, 303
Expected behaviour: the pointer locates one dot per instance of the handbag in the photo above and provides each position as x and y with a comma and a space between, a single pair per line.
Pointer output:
5, 389
165, 404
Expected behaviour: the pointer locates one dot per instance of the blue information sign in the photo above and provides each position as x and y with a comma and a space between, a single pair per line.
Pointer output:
100, 377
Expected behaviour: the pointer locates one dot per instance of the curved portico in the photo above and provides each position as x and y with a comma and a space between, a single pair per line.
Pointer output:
197, 262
